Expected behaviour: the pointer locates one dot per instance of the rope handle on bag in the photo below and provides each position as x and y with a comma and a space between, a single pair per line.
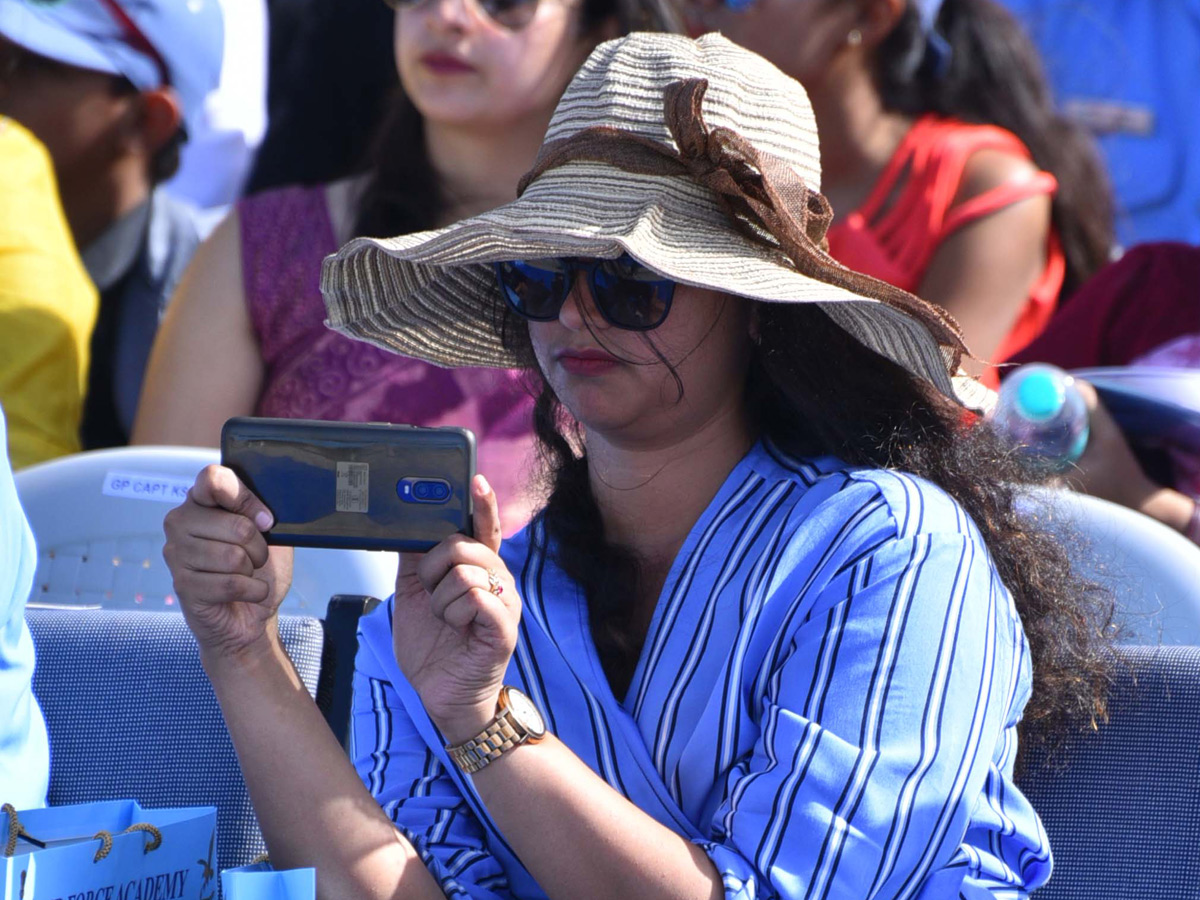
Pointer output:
16, 831
106, 839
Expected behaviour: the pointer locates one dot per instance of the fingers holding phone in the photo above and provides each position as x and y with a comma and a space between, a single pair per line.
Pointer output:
229, 582
455, 622
486, 517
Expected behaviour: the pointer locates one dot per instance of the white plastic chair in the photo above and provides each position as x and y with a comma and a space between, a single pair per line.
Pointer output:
1153, 571
97, 518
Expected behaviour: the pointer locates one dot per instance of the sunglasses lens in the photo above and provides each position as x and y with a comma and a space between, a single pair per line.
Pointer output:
630, 295
534, 289
511, 14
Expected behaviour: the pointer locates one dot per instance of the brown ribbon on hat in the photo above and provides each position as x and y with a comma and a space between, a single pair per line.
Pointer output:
763, 195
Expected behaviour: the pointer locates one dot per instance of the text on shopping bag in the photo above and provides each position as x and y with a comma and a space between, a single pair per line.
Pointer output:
130, 854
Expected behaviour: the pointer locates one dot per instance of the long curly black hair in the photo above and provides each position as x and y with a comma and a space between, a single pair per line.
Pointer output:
813, 389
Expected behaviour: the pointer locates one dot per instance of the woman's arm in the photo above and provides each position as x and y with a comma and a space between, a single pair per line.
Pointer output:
313, 809
581, 839
205, 365
885, 720
309, 801
983, 272
578, 837
1109, 470
888, 725
898, 726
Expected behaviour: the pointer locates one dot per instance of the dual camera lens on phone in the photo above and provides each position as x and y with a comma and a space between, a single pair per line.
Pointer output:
423, 490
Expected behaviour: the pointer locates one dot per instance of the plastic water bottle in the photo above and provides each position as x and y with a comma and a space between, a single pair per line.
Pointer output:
1041, 410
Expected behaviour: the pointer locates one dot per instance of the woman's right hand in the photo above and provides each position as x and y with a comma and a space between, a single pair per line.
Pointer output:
1109, 470
229, 582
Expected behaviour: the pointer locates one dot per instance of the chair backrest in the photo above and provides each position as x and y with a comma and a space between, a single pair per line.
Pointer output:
1153, 572
131, 714
1122, 805
97, 518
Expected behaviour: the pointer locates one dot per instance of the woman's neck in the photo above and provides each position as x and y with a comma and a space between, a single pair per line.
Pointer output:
651, 496
858, 139
478, 170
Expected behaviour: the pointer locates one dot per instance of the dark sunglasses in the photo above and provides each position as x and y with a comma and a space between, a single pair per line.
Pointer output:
627, 294
510, 14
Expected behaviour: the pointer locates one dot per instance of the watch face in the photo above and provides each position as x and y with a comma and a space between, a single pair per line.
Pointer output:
526, 713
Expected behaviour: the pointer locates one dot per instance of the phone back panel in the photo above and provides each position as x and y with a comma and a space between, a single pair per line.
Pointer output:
368, 486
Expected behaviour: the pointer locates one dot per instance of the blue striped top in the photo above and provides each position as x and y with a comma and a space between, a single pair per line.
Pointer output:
826, 700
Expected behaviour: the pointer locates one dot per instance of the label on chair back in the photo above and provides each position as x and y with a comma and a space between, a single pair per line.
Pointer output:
146, 486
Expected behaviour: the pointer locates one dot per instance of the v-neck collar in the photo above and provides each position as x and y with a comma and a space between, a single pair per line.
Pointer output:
669, 598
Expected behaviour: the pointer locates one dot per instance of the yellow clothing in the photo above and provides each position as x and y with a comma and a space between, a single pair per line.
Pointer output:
48, 306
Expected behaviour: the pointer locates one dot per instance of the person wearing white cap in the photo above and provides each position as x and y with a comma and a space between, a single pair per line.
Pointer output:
109, 86
950, 172
776, 629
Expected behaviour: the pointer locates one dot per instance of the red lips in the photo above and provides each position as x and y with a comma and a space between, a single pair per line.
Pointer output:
446, 64
586, 361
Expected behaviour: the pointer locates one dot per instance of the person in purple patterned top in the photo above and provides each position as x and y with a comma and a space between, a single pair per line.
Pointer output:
245, 333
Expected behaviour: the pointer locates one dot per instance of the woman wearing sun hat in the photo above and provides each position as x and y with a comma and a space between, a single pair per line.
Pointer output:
765, 639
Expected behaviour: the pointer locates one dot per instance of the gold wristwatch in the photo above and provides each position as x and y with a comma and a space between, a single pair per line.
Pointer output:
517, 722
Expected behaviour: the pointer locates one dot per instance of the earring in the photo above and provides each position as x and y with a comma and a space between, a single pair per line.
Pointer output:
854, 38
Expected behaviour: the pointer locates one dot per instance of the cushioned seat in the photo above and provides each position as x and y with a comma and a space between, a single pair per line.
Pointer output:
131, 714
1122, 804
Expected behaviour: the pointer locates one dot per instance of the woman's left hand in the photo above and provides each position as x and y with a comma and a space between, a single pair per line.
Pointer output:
455, 622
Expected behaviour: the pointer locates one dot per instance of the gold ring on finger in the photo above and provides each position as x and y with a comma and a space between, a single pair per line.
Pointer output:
494, 585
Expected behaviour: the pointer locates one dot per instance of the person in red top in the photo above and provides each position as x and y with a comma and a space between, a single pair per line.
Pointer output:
949, 171
917, 207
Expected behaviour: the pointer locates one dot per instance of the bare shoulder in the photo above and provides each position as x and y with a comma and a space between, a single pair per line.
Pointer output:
213, 278
224, 240
991, 168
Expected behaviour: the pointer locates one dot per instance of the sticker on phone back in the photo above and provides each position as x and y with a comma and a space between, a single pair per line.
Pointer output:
353, 482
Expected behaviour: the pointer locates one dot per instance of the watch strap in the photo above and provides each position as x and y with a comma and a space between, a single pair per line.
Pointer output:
500, 736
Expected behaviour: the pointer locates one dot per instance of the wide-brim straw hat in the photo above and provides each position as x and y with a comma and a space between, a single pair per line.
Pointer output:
696, 157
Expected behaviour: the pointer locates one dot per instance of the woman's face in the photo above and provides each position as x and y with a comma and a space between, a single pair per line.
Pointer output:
463, 69
619, 383
801, 37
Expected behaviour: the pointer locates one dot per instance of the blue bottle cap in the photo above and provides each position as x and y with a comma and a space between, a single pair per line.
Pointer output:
1040, 396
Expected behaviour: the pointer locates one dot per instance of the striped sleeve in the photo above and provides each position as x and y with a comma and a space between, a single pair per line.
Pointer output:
413, 787
878, 716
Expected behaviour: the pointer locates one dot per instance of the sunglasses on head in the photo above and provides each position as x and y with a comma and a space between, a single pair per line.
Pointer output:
627, 294
510, 14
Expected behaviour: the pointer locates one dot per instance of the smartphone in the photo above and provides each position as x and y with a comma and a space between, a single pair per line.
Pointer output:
366, 486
